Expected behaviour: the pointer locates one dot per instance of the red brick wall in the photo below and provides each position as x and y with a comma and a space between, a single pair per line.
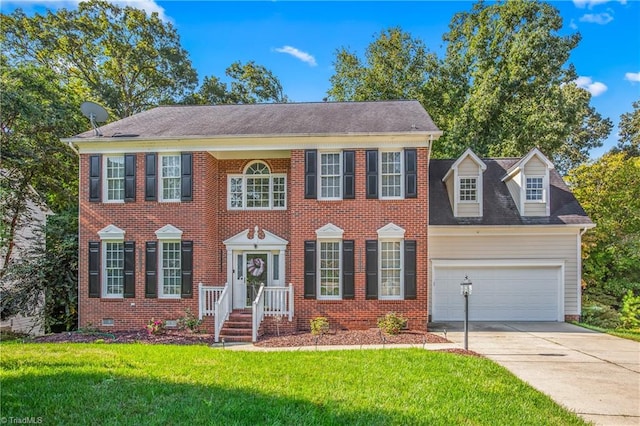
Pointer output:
207, 222
360, 219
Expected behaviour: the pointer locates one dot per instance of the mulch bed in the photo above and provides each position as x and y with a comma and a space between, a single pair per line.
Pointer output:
335, 338
372, 336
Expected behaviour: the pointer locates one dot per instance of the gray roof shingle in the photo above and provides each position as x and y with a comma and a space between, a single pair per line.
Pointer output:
499, 208
318, 118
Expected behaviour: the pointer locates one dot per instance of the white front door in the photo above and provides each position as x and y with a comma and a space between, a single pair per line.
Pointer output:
251, 270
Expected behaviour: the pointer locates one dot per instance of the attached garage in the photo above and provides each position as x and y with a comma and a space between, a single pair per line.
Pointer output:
525, 292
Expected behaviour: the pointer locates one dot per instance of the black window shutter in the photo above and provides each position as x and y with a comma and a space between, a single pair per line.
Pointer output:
372, 269
410, 288
129, 269
186, 183
187, 269
349, 175
348, 262
94, 269
309, 269
151, 266
95, 193
410, 173
310, 173
150, 173
129, 178
372, 174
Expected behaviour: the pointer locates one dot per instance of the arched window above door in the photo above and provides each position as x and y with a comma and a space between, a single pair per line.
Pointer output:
257, 189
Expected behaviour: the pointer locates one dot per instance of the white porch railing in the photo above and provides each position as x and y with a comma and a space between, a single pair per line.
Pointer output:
222, 310
271, 301
208, 296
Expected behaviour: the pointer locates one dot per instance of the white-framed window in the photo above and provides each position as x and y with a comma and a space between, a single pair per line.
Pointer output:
391, 174
170, 270
535, 188
257, 189
391, 262
113, 254
170, 177
114, 178
330, 176
112, 242
329, 269
468, 189
391, 269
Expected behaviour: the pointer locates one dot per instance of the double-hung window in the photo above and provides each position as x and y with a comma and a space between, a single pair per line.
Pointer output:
329, 269
390, 269
111, 265
391, 174
390, 265
170, 269
114, 178
330, 175
170, 173
468, 189
535, 188
257, 188
113, 279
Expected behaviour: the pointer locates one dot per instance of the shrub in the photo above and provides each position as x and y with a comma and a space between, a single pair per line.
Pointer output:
319, 326
392, 323
630, 311
599, 315
155, 326
189, 321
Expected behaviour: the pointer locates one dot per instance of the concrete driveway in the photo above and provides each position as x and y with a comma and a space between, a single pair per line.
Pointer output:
593, 374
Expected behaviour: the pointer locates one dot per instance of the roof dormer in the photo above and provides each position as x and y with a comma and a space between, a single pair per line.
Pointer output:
464, 185
528, 183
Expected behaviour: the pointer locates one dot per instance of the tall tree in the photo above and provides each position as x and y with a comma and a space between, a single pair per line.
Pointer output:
119, 56
395, 67
503, 86
609, 191
37, 171
629, 134
250, 83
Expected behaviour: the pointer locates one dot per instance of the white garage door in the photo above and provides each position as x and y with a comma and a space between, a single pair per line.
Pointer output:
498, 293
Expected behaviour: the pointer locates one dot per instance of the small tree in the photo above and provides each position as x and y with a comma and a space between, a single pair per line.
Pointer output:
630, 311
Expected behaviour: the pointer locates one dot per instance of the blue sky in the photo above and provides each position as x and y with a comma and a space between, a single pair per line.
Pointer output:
297, 41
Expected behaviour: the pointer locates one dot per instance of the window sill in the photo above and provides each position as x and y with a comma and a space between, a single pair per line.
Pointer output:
169, 299
111, 299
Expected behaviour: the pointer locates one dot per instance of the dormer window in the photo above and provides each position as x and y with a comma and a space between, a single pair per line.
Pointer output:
468, 189
464, 185
535, 188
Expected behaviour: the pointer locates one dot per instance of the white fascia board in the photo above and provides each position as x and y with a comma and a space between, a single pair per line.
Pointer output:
499, 230
249, 143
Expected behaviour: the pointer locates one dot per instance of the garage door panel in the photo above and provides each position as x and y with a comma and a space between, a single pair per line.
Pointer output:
499, 293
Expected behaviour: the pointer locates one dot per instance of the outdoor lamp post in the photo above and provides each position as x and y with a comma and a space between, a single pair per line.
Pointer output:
465, 290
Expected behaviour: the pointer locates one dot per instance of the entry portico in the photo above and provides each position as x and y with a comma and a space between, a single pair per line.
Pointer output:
254, 257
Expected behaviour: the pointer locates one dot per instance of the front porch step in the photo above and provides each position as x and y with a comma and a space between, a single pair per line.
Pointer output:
239, 327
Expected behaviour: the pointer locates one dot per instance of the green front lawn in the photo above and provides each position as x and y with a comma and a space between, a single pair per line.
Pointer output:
157, 384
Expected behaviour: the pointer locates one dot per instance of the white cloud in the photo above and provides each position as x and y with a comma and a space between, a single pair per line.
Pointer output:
597, 18
573, 25
296, 53
596, 88
632, 76
581, 4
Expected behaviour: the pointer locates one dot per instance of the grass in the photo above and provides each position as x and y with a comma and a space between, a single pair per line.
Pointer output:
158, 384
618, 332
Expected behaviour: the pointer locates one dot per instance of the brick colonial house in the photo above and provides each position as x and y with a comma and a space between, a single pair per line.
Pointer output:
305, 210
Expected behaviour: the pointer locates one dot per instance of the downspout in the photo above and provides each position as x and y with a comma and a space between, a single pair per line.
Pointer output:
429, 269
